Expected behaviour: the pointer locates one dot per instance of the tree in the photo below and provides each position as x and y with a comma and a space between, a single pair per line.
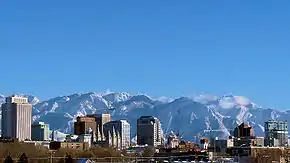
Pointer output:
8, 160
148, 152
23, 159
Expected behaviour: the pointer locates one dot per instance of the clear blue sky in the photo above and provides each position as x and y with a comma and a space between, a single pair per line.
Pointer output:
164, 47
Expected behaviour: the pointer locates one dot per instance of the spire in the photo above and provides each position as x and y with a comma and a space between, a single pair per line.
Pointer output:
119, 145
110, 143
114, 137
99, 136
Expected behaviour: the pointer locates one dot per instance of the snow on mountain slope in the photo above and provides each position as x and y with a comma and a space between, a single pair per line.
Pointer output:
188, 115
117, 97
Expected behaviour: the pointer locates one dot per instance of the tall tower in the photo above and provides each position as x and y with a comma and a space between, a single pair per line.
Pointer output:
149, 131
276, 133
16, 118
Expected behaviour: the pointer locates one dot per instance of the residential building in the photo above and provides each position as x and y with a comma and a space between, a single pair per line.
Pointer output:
276, 133
149, 131
121, 127
40, 131
16, 118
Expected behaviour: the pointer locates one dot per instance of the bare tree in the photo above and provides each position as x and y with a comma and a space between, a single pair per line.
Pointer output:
8, 160
23, 159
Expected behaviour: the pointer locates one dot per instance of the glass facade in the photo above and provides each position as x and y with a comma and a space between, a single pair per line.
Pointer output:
276, 133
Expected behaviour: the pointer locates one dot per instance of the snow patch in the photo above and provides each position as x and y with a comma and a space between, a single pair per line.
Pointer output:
262, 127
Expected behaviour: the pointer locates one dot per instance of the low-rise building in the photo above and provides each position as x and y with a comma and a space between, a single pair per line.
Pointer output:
172, 141
220, 146
84, 138
44, 144
40, 131
71, 145
260, 154
249, 141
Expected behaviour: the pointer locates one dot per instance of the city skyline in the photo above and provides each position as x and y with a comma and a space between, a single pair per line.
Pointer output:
159, 48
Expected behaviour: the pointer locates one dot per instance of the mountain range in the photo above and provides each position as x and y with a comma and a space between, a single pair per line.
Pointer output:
190, 116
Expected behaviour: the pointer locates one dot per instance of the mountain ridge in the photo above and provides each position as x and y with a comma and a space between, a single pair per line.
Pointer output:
189, 115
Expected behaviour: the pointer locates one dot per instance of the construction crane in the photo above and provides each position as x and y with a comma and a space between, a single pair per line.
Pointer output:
109, 107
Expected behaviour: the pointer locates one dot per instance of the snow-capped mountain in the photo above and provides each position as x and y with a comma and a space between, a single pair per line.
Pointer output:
188, 115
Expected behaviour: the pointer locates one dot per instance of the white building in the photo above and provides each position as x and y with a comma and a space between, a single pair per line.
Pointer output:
16, 118
85, 138
172, 141
116, 130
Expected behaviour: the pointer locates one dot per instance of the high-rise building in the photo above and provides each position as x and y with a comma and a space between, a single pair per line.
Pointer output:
276, 133
40, 131
100, 119
149, 131
121, 127
16, 118
243, 130
85, 125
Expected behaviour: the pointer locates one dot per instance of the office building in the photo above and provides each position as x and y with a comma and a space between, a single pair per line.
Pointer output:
40, 131
121, 127
16, 118
85, 125
100, 120
243, 130
149, 131
276, 133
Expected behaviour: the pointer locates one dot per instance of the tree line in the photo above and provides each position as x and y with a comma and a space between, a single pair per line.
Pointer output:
21, 152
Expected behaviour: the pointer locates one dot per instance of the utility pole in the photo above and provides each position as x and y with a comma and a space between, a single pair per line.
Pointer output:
51, 152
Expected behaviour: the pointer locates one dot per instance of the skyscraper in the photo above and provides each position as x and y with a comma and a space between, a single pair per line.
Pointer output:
149, 131
122, 127
16, 118
276, 133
